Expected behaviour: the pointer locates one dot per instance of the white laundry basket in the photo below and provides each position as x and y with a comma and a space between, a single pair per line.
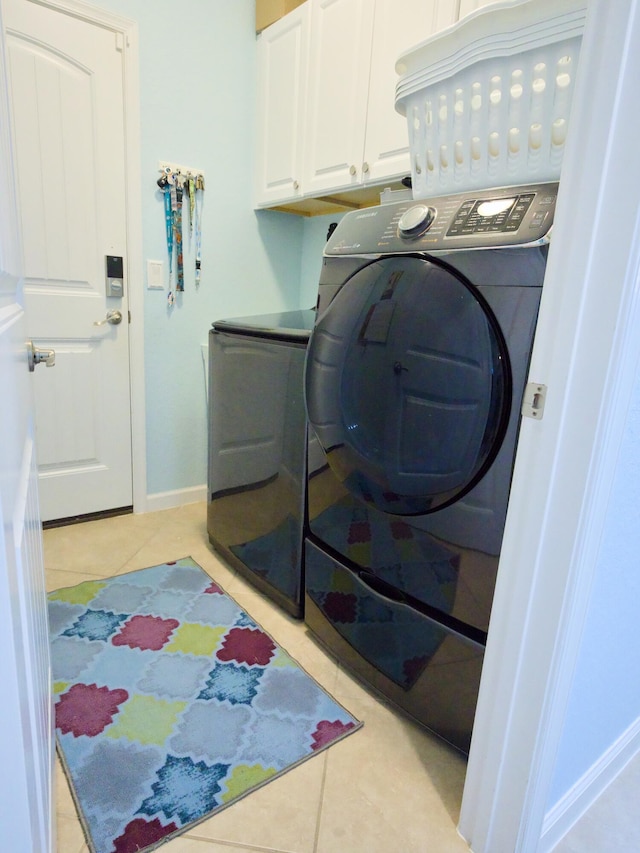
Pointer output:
487, 101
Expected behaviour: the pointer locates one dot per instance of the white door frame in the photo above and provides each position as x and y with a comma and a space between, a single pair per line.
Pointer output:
127, 30
587, 352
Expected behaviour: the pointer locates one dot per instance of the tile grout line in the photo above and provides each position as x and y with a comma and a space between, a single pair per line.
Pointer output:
138, 550
316, 836
104, 574
232, 845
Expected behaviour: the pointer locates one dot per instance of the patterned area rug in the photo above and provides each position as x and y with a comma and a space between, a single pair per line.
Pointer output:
172, 703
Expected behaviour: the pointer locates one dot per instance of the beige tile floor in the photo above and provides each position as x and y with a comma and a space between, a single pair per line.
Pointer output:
389, 787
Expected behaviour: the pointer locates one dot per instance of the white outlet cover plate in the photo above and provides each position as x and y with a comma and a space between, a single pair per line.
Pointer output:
155, 275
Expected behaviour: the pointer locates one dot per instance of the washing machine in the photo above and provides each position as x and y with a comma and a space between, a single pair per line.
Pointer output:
257, 449
414, 383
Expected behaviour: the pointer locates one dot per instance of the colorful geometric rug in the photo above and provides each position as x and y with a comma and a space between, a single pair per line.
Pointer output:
172, 703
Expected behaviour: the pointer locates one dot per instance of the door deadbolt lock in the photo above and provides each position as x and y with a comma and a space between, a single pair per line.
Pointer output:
39, 356
113, 317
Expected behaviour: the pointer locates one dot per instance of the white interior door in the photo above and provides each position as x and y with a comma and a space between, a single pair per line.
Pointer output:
26, 733
66, 85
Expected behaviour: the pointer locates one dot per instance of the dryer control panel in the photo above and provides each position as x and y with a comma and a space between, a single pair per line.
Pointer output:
507, 216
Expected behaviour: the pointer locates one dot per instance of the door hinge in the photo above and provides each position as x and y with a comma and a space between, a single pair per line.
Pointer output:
129, 316
533, 401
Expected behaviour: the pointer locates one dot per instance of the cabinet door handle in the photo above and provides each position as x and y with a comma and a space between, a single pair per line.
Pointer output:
365, 168
352, 170
296, 185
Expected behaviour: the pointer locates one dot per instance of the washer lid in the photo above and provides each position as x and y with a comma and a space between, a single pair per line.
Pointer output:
408, 385
284, 325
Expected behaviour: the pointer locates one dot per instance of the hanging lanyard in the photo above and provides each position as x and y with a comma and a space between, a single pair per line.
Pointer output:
198, 217
168, 222
177, 221
191, 189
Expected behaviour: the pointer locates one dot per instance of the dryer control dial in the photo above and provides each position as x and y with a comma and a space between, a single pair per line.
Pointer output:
416, 220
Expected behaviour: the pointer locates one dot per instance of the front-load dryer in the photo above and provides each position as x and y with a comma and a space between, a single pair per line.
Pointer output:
414, 382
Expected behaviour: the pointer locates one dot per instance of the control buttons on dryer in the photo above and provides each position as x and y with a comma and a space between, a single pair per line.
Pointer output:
493, 215
416, 220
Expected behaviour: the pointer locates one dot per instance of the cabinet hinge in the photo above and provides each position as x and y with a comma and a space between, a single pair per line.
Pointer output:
533, 401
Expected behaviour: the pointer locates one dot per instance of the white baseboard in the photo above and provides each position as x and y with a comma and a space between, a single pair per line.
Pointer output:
570, 808
177, 497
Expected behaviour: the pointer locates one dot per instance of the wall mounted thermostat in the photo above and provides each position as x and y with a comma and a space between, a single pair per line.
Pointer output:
115, 275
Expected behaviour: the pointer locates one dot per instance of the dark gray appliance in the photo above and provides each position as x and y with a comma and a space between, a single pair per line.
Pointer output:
257, 449
414, 382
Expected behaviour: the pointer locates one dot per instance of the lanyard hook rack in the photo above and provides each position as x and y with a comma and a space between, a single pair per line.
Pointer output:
175, 181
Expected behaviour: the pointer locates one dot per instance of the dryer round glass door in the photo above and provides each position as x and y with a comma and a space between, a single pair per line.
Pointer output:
408, 385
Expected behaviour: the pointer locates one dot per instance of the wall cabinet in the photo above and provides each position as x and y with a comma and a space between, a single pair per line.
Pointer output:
282, 66
326, 95
399, 25
338, 83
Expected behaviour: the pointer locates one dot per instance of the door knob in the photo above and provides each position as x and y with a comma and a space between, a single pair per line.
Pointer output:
39, 356
113, 317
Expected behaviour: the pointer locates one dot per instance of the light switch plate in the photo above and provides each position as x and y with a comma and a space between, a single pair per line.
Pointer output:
155, 275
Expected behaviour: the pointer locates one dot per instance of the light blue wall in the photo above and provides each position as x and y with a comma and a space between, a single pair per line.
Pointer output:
197, 103
313, 242
605, 698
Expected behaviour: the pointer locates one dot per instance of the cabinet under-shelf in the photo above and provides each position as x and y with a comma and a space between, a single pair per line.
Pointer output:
339, 202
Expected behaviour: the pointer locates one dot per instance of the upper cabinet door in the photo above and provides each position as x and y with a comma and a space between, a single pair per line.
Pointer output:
399, 25
281, 61
338, 84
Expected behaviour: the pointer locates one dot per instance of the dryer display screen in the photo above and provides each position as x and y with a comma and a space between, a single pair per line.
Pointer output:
498, 215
